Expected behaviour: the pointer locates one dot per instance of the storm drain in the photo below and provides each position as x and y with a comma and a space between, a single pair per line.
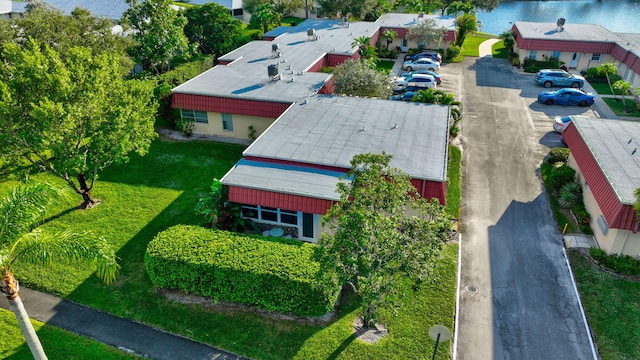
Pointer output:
471, 289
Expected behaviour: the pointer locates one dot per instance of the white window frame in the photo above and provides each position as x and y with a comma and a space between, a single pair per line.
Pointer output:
277, 211
596, 57
194, 116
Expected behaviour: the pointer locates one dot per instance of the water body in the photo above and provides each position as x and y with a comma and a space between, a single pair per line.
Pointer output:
614, 15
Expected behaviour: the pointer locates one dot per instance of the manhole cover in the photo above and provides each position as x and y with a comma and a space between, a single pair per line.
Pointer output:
471, 289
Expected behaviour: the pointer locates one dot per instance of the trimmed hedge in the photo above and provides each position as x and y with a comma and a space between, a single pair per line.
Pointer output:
274, 274
621, 264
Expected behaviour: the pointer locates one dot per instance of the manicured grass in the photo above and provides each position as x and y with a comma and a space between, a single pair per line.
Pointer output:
385, 65
618, 107
288, 20
453, 181
611, 305
57, 343
471, 45
152, 193
604, 89
499, 51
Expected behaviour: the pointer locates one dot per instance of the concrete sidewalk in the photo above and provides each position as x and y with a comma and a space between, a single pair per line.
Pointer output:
126, 335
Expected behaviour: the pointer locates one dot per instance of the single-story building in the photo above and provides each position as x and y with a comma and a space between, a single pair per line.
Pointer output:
579, 46
606, 156
252, 85
400, 23
288, 176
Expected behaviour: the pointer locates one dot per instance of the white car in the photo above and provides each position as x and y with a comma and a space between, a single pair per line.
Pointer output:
560, 123
421, 64
413, 83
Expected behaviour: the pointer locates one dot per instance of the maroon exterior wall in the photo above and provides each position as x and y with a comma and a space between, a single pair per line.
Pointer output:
228, 105
431, 189
618, 216
278, 200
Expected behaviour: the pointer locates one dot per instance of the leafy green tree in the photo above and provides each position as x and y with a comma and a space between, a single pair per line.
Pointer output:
636, 206
427, 31
366, 50
609, 69
264, 17
624, 87
416, 6
358, 78
72, 116
158, 31
382, 229
212, 28
456, 8
357, 9
50, 26
22, 210
282, 7
486, 5
220, 213
389, 36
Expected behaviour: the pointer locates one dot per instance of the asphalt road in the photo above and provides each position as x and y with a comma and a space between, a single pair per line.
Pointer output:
517, 300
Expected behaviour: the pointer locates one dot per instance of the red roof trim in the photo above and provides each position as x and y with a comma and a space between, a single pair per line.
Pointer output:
228, 105
618, 216
278, 200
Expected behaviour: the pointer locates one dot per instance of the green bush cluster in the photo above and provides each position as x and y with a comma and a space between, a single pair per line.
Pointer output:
621, 264
594, 76
558, 155
387, 54
560, 175
532, 66
453, 51
274, 274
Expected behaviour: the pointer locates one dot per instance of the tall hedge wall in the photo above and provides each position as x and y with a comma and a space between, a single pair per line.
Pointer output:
274, 274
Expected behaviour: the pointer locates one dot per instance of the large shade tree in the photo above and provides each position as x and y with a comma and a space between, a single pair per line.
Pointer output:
357, 9
607, 69
382, 228
22, 210
71, 116
158, 31
264, 17
358, 78
282, 7
212, 28
50, 26
427, 31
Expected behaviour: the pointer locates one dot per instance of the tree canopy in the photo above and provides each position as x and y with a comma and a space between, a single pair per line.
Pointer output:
358, 78
158, 33
50, 26
382, 229
212, 28
71, 116
265, 16
282, 7
427, 31
356, 8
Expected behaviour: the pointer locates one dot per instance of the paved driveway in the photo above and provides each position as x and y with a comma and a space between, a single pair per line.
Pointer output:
517, 300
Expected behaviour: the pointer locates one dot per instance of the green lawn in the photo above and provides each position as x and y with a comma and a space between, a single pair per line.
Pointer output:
618, 106
471, 45
152, 193
499, 51
385, 65
57, 343
604, 89
612, 307
453, 181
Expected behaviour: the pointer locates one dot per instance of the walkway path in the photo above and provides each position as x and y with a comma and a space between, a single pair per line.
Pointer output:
485, 47
126, 335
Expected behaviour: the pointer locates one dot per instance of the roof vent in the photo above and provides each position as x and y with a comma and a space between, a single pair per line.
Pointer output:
311, 34
420, 15
345, 21
272, 70
275, 50
560, 23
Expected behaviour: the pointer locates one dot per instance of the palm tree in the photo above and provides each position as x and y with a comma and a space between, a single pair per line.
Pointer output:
389, 35
465, 24
21, 212
624, 87
608, 69
362, 42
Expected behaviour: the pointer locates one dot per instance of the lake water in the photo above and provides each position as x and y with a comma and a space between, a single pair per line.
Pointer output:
614, 15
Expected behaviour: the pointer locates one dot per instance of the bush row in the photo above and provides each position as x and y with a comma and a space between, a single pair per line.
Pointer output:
621, 264
274, 274
594, 76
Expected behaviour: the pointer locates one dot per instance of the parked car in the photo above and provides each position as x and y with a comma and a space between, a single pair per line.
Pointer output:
421, 64
430, 54
413, 83
560, 123
566, 96
558, 77
407, 96
426, 72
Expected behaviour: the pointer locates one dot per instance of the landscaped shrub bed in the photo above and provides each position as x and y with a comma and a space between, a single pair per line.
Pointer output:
274, 274
533, 66
594, 76
621, 264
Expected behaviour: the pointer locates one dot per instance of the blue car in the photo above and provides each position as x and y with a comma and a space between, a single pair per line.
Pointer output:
404, 97
567, 96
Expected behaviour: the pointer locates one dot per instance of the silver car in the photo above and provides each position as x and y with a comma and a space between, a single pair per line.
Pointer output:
421, 64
